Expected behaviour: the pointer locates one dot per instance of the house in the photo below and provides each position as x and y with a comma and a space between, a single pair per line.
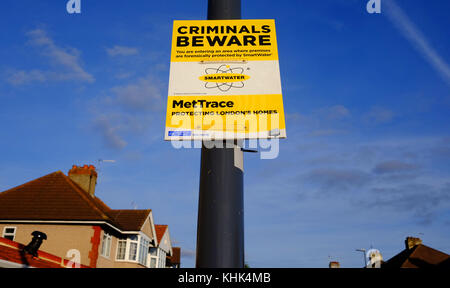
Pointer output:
418, 255
163, 249
66, 209
174, 260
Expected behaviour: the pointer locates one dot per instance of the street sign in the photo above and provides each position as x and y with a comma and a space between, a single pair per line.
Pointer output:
224, 81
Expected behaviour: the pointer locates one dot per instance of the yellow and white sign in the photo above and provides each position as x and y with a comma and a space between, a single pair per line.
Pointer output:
224, 81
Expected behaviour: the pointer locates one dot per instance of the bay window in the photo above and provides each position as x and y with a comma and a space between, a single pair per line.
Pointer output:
135, 248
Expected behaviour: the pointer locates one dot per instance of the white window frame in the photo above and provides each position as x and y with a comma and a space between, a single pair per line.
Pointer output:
155, 257
136, 242
4, 234
106, 251
138, 248
144, 244
162, 258
117, 250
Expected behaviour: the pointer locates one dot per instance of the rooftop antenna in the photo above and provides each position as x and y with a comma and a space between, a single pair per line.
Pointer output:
364, 253
100, 161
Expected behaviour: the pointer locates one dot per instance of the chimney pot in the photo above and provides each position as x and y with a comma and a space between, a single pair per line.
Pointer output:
85, 177
412, 242
334, 264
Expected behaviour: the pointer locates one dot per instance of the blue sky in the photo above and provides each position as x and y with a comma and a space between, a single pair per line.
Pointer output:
367, 101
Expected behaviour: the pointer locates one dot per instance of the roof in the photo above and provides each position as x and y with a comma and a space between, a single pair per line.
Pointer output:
419, 256
56, 197
11, 252
175, 258
130, 220
160, 230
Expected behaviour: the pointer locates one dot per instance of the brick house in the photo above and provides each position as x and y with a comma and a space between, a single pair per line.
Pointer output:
66, 209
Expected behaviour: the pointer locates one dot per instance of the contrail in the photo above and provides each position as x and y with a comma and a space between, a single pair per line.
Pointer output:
413, 34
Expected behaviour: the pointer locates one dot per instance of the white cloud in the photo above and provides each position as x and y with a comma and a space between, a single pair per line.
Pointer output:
335, 112
105, 125
65, 62
23, 77
142, 95
127, 111
414, 35
379, 115
122, 51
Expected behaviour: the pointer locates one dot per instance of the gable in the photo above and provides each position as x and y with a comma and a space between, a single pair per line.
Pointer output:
147, 228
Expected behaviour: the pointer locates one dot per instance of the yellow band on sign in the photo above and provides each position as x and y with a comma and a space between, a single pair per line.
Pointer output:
239, 113
218, 40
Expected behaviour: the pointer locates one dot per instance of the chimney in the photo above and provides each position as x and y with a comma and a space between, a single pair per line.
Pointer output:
85, 177
411, 242
334, 264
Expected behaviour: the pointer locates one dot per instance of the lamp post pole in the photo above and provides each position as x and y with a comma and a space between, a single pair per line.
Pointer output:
220, 226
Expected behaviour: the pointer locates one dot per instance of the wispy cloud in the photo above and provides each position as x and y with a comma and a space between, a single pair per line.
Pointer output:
142, 95
394, 166
21, 77
336, 112
421, 199
186, 253
108, 130
329, 180
379, 115
122, 51
127, 110
65, 62
415, 36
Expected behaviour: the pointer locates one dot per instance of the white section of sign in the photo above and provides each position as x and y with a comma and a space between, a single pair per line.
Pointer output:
209, 135
264, 78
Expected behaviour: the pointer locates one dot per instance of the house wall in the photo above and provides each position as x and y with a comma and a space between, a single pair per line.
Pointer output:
60, 238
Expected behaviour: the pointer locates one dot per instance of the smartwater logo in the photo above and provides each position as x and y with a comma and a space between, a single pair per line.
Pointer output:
224, 78
73, 6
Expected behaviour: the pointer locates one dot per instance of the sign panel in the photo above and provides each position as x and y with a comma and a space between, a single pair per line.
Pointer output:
224, 81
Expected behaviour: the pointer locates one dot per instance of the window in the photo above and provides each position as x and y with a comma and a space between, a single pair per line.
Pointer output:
143, 251
106, 245
121, 248
133, 247
153, 257
9, 233
162, 259
152, 262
